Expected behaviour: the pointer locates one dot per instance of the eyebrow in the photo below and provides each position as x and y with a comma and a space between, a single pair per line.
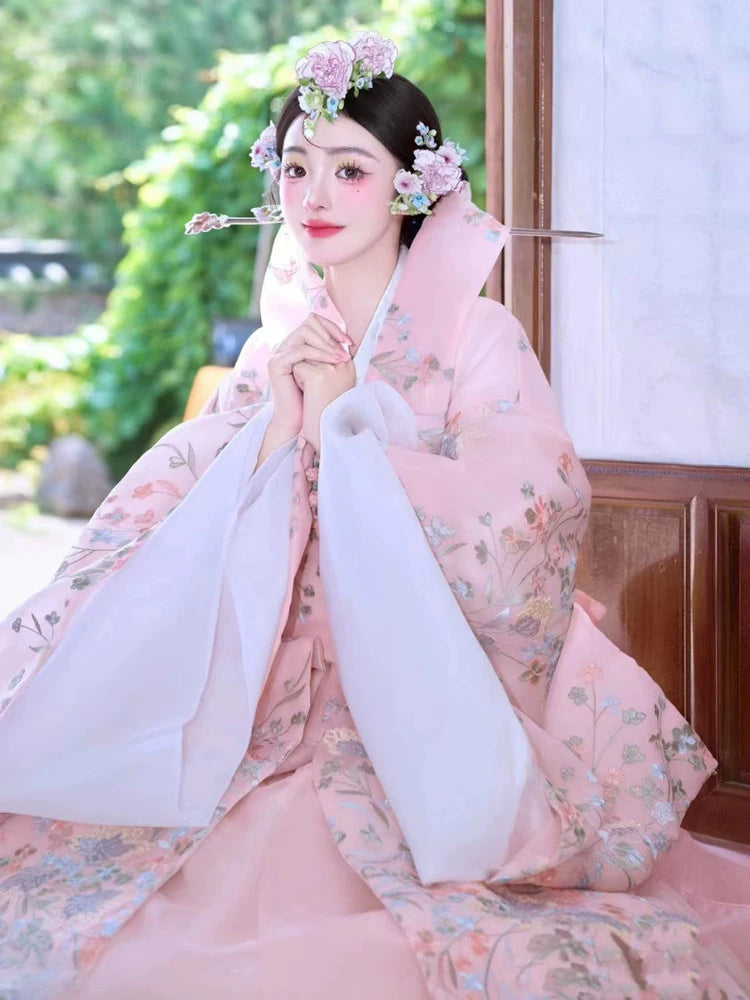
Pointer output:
333, 150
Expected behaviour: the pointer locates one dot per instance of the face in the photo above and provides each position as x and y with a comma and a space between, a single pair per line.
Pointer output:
343, 177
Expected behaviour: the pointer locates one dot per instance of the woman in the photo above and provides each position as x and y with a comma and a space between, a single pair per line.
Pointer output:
312, 709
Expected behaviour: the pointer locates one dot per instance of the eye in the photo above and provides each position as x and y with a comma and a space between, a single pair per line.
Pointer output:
353, 172
288, 168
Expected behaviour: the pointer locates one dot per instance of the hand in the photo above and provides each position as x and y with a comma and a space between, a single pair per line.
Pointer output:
321, 384
317, 339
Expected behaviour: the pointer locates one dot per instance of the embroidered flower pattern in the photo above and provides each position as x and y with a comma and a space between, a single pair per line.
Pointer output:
410, 368
517, 935
524, 579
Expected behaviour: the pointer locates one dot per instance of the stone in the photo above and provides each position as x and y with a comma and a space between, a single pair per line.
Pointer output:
74, 478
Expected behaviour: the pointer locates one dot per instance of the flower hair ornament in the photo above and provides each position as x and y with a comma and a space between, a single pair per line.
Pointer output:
325, 76
434, 172
330, 70
264, 155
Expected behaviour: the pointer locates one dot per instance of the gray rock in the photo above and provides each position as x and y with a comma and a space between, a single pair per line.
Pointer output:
74, 479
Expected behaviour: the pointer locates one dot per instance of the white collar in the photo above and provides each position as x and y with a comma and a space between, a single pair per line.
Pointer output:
365, 349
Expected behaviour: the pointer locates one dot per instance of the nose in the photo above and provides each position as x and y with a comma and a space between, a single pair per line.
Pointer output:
317, 196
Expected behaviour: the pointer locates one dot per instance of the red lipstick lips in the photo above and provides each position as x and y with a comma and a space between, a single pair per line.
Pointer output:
316, 228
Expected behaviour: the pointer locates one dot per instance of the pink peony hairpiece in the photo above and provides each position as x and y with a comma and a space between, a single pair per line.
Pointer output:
434, 172
330, 70
264, 154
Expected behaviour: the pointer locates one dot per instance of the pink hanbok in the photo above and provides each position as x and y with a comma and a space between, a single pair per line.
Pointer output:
343, 728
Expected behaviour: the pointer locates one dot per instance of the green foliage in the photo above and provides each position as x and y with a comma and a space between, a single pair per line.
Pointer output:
43, 388
170, 287
86, 87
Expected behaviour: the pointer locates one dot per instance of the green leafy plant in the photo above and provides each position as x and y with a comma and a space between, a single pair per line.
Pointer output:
44, 388
170, 287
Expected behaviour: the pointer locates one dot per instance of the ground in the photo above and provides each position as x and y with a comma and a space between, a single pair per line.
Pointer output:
32, 546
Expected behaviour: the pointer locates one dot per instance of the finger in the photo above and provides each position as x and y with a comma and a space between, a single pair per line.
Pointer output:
315, 332
304, 352
282, 360
315, 335
328, 327
326, 342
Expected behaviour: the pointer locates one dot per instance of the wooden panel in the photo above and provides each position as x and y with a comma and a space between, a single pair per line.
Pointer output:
648, 543
668, 552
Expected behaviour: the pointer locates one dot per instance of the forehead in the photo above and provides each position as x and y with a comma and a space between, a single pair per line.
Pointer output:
341, 133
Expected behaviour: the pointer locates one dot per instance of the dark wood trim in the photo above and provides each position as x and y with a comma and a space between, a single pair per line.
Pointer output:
531, 45
493, 134
700, 517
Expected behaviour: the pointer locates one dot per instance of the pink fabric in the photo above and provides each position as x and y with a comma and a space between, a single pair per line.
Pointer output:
264, 910
502, 501
714, 883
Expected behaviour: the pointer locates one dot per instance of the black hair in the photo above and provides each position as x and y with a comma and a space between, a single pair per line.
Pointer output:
390, 111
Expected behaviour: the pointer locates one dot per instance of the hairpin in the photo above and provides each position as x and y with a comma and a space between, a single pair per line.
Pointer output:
204, 222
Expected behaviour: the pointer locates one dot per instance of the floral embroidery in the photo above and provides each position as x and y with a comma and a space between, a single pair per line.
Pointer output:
511, 940
527, 576
284, 275
311, 475
253, 386
458, 429
410, 368
487, 223
396, 321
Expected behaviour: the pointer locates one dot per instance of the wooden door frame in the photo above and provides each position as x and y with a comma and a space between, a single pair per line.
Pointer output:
518, 137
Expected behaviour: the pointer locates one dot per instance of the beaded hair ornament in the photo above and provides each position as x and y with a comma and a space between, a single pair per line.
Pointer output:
325, 76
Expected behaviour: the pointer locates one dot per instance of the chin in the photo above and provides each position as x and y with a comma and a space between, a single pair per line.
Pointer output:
325, 256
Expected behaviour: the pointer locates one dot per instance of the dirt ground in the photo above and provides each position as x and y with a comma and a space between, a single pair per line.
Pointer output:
32, 546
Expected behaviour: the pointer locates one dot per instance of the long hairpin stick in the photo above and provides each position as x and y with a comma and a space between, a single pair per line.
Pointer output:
203, 222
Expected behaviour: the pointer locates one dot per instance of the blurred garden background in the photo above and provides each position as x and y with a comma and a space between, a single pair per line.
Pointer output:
117, 124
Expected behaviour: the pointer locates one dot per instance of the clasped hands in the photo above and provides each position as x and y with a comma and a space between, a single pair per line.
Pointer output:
307, 371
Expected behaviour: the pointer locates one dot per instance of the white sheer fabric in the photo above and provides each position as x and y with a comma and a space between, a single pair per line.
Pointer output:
441, 732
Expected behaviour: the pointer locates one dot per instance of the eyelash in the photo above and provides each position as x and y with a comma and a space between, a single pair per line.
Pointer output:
359, 173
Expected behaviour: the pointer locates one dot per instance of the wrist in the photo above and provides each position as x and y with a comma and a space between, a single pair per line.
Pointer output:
282, 428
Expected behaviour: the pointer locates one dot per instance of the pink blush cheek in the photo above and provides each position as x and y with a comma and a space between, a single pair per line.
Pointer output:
361, 194
291, 194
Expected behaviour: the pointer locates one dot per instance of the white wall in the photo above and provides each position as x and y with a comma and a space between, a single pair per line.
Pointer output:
651, 146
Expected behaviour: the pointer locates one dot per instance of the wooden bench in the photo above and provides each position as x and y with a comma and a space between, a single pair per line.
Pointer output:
205, 382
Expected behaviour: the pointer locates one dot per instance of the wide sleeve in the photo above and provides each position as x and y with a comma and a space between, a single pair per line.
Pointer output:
477, 683
130, 682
